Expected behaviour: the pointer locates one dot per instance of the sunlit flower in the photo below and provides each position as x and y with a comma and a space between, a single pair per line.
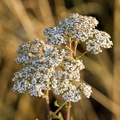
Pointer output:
79, 28
53, 65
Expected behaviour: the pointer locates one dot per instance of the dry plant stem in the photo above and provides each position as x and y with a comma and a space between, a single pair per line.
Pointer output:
75, 47
48, 105
70, 49
70, 46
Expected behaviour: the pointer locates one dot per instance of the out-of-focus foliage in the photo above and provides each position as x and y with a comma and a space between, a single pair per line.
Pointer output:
24, 20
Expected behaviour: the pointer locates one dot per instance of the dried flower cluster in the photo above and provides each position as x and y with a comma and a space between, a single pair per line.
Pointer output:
52, 65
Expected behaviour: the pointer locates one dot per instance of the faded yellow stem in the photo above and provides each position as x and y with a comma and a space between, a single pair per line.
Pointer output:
69, 49
75, 47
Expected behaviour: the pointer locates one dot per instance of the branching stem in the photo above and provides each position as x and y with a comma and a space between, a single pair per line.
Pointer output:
69, 103
70, 49
75, 47
70, 45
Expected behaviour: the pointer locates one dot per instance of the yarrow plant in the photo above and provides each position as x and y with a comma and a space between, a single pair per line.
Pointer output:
54, 65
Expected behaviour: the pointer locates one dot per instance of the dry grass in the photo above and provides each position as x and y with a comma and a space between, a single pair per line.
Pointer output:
24, 20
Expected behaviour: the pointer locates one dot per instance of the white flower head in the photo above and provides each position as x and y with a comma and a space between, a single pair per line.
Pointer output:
79, 28
85, 90
51, 65
40, 62
100, 40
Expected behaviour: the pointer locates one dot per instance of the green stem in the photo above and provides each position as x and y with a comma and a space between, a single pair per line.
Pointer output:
60, 108
68, 111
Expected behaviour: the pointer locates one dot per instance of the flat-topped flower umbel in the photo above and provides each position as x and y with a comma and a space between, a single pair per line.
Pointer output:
47, 67
54, 64
79, 28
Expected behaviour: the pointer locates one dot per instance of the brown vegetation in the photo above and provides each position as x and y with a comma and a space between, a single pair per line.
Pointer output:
25, 20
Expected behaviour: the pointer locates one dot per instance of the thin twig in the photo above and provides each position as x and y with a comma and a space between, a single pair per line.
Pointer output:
69, 49
60, 108
75, 47
70, 45
84, 53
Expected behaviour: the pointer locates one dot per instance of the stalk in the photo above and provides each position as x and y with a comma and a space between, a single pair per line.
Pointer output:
69, 103
70, 46
60, 108
70, 49
83, 53
48, 105
75, 47
68, 111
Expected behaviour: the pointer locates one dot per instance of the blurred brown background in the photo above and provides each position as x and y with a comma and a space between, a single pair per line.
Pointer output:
24, 20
